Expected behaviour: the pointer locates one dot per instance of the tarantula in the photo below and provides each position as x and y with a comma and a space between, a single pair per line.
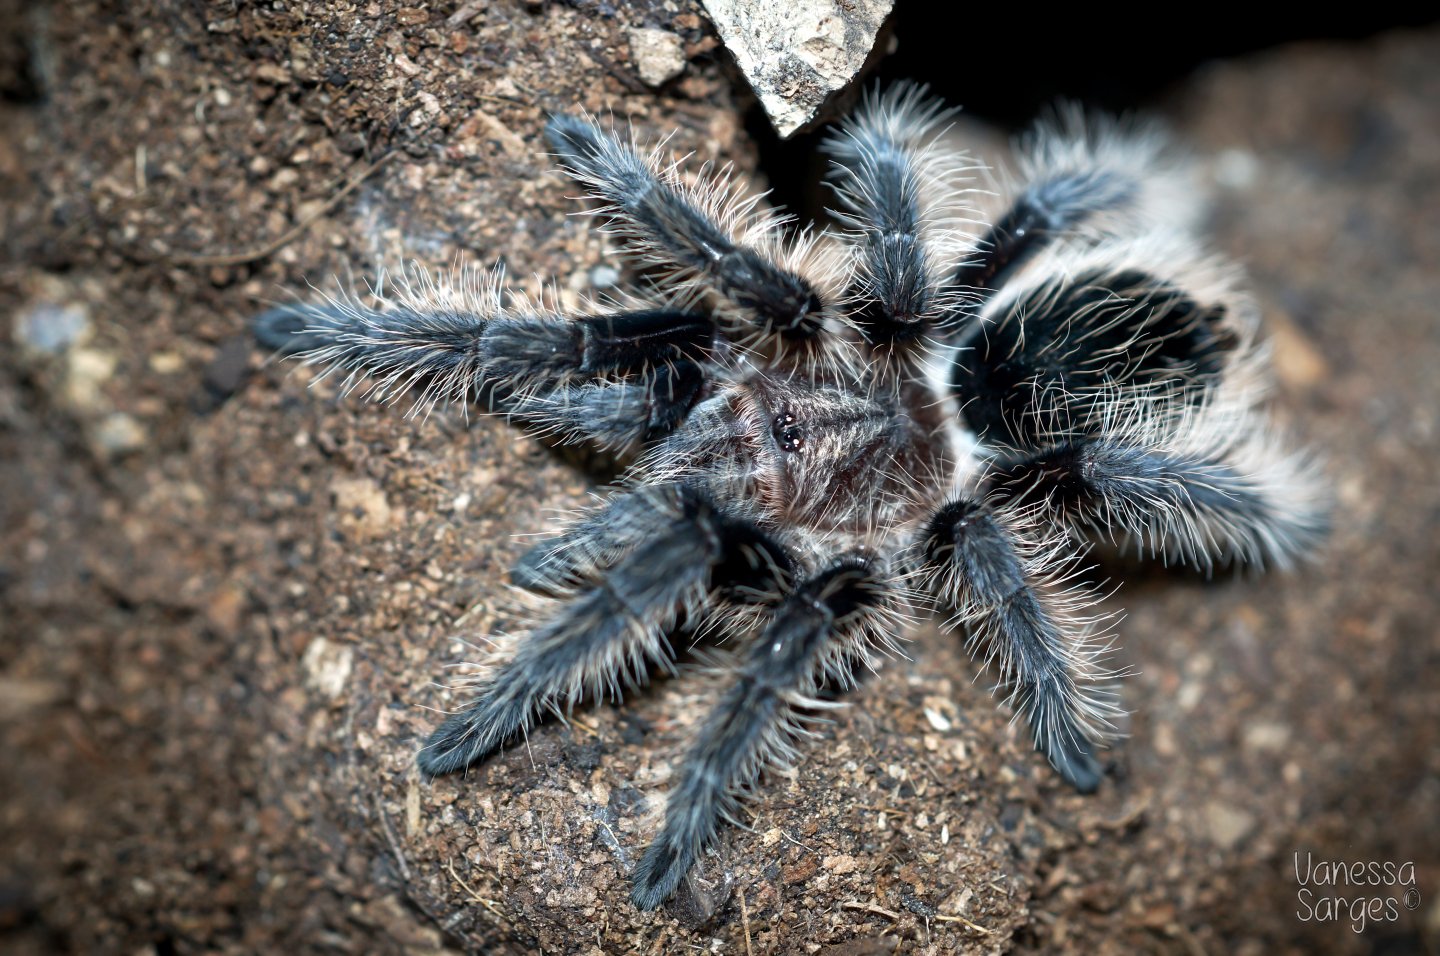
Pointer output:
837, 432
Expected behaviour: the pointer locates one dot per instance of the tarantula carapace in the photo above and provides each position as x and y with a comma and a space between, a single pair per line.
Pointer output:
835, 433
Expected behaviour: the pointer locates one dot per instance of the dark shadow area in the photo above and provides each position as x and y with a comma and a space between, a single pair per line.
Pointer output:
986, 63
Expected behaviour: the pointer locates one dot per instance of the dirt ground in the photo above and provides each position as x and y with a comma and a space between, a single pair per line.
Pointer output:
226, 599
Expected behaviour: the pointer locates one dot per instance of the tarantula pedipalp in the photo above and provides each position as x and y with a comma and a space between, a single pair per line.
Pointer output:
838, 433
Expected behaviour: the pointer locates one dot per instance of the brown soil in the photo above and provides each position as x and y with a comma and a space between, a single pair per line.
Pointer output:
225, 598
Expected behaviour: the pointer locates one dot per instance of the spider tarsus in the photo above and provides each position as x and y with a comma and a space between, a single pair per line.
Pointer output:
283, 328
657, 876
579, 141
468, 737
1073, 757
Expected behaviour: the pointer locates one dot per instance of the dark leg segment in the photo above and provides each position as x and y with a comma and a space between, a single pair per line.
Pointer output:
605, 634
1198, 507
452, 355
637, 341
756, 721
663, 219
972, 562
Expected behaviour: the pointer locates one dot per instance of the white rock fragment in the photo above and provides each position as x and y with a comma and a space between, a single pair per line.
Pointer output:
86, 371
50, 327
796, 54
327, 667
1228, 824
658, 55
604, 277
118, 434
937, 719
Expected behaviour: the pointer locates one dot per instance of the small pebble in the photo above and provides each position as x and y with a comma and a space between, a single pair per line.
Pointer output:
604, 277
118, 434
658, 55
50, 328
86, 371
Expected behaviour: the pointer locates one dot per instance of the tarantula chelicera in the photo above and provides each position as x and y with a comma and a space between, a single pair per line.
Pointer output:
837, 432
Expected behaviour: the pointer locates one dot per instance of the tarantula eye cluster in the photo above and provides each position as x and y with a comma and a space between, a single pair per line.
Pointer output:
833, 434
789, 434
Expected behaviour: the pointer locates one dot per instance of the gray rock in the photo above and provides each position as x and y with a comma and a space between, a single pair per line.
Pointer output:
51, 328
797, 54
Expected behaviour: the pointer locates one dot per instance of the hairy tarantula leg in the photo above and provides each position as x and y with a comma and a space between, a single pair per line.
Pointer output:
1078, 172
1223, 494
590, 547
884, 164
586, 548
1043, 212
605, 634
529, 366
670, 220
1023, 617
613, 415
756, 722
456, 353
